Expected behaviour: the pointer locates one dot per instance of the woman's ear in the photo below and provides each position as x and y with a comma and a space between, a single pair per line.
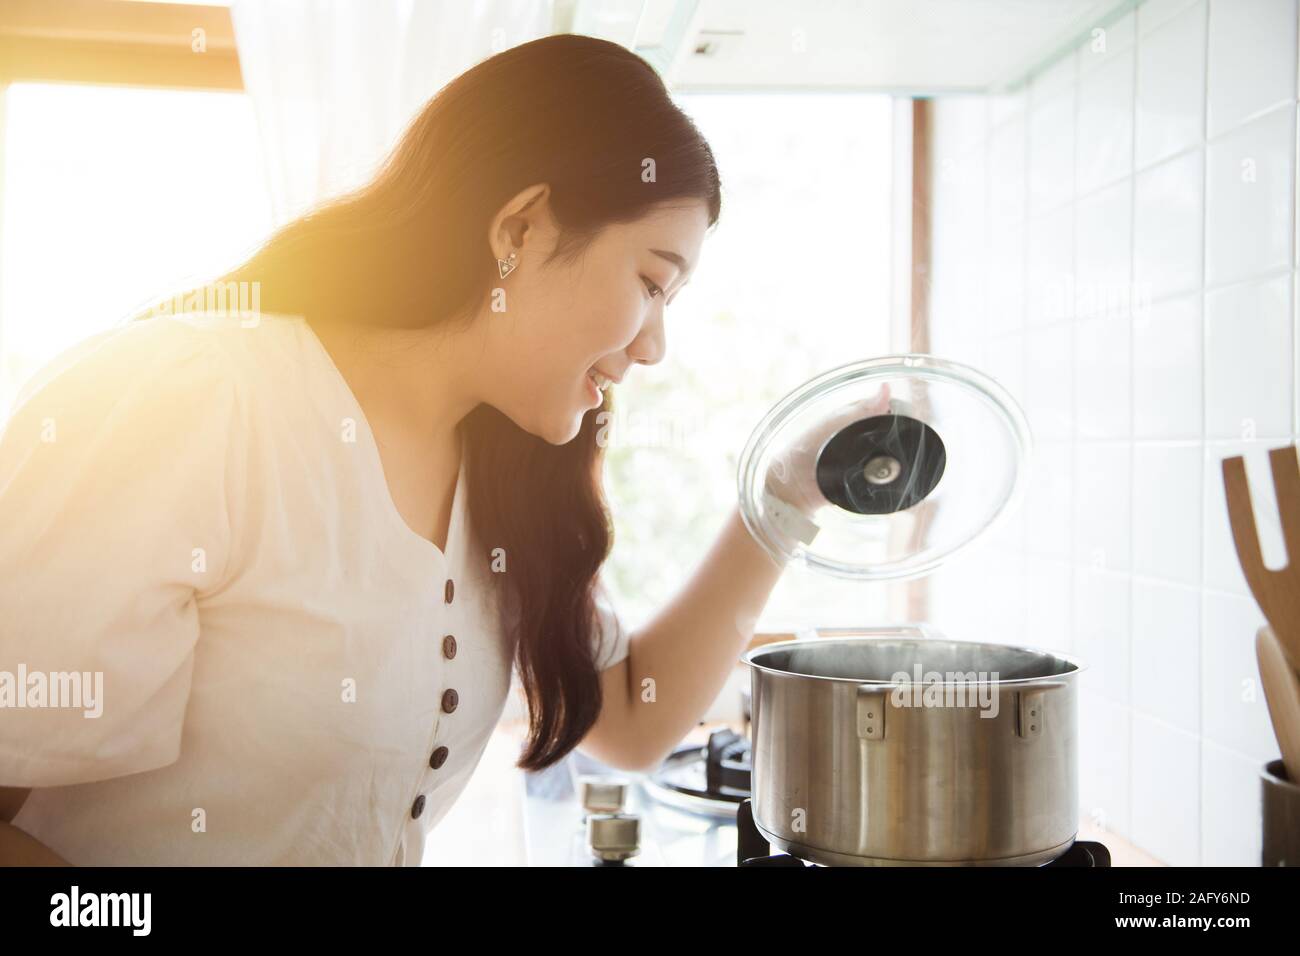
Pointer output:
517, 218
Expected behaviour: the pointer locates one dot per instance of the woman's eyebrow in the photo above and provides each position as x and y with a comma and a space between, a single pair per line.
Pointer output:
672, 257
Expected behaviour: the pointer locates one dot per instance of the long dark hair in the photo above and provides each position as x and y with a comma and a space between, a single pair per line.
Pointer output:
411, 248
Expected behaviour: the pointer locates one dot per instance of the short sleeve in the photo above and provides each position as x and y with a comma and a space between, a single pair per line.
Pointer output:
610, 636
116, 476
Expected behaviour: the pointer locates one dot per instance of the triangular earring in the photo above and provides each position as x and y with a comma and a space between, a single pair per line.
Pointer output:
507, 266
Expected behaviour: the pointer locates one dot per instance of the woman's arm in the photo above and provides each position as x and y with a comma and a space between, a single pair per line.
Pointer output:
19, 849
679, 660
16, 847
677, 663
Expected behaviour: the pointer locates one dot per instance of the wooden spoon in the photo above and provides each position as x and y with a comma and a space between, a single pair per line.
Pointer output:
1278, 592
1282, 691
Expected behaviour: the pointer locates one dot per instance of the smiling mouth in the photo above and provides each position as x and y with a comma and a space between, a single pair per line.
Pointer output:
601, 381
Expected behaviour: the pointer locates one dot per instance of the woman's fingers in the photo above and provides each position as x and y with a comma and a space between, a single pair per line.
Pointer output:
792, 467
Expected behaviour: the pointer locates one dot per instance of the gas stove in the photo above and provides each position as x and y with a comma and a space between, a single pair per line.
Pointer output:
712, 780
693, 811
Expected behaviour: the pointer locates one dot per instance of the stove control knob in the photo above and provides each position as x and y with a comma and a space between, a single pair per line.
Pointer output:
603, 794
614, 837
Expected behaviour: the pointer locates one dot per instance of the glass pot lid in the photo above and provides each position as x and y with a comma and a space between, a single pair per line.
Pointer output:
883, 468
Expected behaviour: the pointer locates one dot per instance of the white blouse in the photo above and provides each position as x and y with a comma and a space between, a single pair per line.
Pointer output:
194, 510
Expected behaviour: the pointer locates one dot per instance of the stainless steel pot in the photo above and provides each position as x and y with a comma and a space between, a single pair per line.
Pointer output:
855, 764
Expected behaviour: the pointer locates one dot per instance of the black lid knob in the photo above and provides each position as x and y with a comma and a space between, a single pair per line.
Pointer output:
880, 465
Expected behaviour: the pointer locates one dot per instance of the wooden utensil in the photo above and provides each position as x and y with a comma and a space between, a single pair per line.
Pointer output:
1278, 592
1282, 691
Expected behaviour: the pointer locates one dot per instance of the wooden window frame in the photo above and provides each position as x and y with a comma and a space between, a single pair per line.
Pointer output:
113, 43
118, 42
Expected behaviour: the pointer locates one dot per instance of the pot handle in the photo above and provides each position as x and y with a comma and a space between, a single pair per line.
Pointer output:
1029, 707
872, 700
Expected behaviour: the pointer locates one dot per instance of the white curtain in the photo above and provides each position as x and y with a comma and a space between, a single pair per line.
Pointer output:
335, 82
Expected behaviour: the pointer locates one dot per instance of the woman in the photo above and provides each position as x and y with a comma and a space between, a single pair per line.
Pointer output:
304, 548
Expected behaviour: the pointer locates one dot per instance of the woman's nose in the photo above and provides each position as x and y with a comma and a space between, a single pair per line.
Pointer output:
649, 346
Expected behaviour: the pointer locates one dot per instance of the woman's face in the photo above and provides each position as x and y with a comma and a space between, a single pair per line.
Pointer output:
563, 323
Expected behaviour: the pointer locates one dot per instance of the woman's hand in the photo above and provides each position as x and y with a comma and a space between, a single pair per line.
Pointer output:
792, 476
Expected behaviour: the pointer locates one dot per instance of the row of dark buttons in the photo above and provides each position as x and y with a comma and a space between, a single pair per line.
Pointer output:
450, 701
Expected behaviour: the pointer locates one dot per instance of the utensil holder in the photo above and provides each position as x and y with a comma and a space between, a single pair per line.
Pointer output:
1281, 804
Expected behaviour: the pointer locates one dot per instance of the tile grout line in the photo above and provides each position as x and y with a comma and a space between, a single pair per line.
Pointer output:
1072, 317
1295, 245
1026, 157
1204, 495
1132, 393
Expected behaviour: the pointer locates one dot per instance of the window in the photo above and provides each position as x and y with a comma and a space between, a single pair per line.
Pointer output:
794, 280
113, 197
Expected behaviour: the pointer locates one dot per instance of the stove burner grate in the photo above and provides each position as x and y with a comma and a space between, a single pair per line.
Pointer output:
752, 848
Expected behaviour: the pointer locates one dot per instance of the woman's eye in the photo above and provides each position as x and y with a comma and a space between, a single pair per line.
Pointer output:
652, 288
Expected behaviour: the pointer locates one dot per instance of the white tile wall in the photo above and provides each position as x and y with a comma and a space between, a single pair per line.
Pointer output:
1168, 376
1104, 145
1103, 252
1233, 711
1102, 612
1248, 359
1102, 506
1167, 511
1171, 71
1250, 178
1105, 761
1128, 220
1051, 150
1252, 48
1166, 794
1049, 265
1168, 227
1048, 604
1166, 653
